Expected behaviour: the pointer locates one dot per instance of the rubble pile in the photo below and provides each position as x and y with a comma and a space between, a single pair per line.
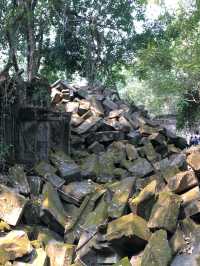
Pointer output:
128, 194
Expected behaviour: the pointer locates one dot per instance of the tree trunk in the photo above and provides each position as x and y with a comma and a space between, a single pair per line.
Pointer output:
32, 59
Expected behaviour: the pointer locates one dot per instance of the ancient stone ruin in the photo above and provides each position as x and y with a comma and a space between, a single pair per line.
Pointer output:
127, 192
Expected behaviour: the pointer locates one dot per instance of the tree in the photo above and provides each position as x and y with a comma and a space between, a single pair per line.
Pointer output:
51, 36
169, 65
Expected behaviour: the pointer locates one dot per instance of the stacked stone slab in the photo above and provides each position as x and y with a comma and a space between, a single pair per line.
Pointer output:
128, 194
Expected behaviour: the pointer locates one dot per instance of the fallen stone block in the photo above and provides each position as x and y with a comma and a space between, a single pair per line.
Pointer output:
88, 124
178, 160
84, 106
96, 147
14, 245
72, 107
143, 203
67, 168
157, 139
147, 130
60, 254
97, 217
48, 172
177, 242
39, 258
163, 216
131, 152
52, 211
139, 168
194, 160
157, 252
76, 120
134, 138
74, 230
182, 181
11, 205
96, 106
121, 193
110, 105
190, 196
106, 136
192, 209
149, 152
35, 184
90, 166
31, 213
128, 233
18, 179
45, 236
75, 192
115, 113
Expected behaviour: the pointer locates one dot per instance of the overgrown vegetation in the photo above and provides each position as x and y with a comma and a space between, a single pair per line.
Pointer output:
100, 41
167, 69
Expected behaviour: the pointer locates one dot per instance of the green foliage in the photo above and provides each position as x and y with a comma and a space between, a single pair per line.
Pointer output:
168, 67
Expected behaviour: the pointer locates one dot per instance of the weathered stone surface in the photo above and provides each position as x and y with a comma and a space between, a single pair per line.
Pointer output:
178, 160
131, 152
35, 184
106, 136
67, 168
177, 242
44, 167
73, 230
115, 113
76, 120
122, 191
140, 167
134, 137
18, 179
52, 211
87, 125
90, 166
11, 205
123, 262
124, 124
147, 130
96, 147
149, 152
84, 106
96, 218
45, 236
72, 107
163, 216
139, 204
96, 106
76, 191
194, 160
157, 139
191, 195
182, 181
14, 245
48, 172
32, 212
157, 251
60, 254
39, 258
129, 232
110, 104
192, 208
